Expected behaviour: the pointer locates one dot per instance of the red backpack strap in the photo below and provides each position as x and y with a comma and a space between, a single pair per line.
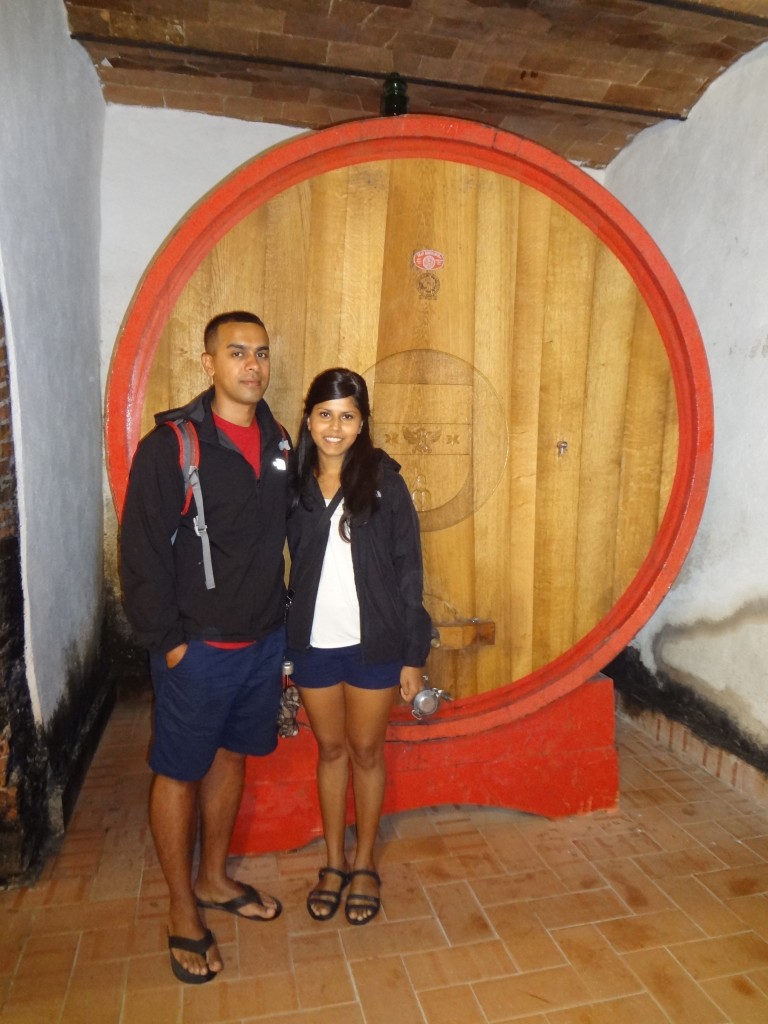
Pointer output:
189, 459
189, 454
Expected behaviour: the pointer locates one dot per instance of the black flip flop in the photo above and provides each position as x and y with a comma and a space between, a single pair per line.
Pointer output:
235, 905
199, 946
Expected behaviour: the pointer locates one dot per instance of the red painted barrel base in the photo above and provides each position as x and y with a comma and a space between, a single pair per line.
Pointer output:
557, 760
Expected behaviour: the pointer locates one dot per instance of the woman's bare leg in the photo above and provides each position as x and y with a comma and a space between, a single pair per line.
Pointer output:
327, 716
368, 713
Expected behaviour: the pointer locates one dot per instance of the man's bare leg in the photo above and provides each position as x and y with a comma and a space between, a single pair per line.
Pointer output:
220, 793
173, 812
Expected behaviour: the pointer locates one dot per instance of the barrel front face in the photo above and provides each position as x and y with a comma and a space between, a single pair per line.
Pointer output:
532, 376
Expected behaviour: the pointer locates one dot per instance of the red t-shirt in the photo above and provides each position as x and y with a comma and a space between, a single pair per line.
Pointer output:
246, 439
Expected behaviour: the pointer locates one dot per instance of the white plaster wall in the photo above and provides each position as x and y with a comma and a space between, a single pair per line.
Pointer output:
50, 157
701, 189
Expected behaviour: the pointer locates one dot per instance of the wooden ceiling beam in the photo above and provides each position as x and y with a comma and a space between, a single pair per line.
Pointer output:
217, 57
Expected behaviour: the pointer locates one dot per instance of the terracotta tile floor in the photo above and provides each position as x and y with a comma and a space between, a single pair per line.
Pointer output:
653, 914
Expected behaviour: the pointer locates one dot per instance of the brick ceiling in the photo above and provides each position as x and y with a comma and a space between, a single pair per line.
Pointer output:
581, 77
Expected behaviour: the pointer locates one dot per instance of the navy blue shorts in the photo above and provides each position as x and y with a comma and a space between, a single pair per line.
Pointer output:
326, 666
215, 698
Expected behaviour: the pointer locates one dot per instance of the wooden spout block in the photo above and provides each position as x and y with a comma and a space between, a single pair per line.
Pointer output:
456, 636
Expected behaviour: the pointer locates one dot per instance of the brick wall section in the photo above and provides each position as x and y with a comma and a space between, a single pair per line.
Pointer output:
727, 767
9, 812
9, 526
9, 531
313, 63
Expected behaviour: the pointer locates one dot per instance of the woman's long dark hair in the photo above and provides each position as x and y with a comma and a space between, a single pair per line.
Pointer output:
360, 469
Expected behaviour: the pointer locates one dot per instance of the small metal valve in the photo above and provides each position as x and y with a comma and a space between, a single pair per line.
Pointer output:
427, 701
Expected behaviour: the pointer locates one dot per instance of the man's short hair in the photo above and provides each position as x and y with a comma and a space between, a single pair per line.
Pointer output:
235, 316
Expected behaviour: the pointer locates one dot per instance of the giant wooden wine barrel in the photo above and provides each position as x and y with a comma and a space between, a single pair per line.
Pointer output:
533, 365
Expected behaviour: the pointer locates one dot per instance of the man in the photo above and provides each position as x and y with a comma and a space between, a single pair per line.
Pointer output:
215, 651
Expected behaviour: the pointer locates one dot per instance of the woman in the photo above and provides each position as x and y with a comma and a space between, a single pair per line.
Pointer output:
357, 628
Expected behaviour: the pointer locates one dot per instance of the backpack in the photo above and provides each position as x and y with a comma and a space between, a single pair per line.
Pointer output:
189, 458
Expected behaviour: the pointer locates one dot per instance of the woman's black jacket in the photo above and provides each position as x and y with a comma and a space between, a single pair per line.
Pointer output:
387, 563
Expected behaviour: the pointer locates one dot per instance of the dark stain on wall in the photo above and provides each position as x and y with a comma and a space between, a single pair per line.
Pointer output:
642, 690
75, 729
23, 780
46, 769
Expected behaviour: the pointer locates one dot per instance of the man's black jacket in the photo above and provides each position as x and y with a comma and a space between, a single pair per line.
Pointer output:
163, 580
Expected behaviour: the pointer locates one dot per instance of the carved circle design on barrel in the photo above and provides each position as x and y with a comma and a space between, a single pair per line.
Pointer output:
431, 411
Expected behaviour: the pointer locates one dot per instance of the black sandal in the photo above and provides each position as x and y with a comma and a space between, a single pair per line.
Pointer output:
329, 899
361, 901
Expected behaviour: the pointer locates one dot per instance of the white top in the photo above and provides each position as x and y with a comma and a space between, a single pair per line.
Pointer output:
337, 611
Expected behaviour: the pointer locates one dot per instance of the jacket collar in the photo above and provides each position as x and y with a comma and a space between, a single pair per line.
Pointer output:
200, 413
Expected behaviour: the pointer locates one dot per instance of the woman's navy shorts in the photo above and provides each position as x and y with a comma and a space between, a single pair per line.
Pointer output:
326, 666
215, 698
